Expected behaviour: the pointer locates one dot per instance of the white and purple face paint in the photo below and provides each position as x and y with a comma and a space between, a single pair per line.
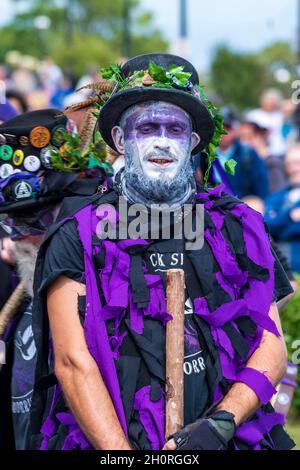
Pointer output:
157, 140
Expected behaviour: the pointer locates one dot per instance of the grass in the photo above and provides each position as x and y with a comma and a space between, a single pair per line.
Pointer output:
293, 428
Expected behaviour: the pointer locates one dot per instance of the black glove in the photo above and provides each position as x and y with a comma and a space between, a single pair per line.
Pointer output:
211, 433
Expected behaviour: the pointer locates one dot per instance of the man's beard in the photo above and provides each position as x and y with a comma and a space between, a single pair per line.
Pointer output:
158, 190
26, 255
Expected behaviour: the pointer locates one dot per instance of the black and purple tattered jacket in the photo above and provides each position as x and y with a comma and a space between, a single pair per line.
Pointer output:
231, 283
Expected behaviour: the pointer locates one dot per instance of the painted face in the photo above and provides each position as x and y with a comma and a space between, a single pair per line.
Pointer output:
158, 140
158, 136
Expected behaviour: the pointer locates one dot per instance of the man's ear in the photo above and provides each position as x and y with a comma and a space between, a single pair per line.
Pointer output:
195, 140
117, 134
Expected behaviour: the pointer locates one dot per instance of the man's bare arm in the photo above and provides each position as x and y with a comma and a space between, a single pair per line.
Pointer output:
77, 371
269, 358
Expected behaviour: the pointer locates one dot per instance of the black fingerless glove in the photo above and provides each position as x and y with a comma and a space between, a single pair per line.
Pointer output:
211, 433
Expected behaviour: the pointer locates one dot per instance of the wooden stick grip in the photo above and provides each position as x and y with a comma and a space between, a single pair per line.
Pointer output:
12, 306
175, 351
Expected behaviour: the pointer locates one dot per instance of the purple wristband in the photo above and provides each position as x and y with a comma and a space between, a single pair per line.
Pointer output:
259, 383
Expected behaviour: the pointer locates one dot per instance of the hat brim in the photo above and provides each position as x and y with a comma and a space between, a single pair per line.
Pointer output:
30, 204
111, 112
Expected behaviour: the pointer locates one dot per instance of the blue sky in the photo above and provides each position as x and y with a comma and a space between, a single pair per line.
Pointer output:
246, 25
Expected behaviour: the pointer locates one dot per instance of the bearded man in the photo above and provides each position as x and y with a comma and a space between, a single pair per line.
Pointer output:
101, 299
32, 189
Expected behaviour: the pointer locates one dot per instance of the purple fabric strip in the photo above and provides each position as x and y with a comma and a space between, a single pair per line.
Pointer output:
98, 343
252, 432
152, 416
289, 382
50, 426
75, 439
258, 382
259, 251
216, 192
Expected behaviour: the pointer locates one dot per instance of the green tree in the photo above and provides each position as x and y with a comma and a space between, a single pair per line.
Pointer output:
239, 79
81, 32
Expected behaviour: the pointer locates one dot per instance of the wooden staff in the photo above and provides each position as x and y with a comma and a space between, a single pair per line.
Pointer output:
175, 351
12, 306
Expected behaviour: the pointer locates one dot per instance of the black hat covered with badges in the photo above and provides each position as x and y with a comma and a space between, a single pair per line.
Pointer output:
41, 162
157, 77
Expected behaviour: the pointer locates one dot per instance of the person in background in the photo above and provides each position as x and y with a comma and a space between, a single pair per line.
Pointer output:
18, 100
6, 284
283, 210
7, 111
29, 203
258, 205
63, 90
290, 129
251, 133
251, 174
270, 116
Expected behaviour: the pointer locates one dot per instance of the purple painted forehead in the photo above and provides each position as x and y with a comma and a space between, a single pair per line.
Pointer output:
154, 110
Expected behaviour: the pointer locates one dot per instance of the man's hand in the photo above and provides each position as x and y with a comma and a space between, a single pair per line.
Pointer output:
241, 401
212, 433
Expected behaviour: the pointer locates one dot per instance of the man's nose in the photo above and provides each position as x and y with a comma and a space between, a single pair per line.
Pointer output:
162, 142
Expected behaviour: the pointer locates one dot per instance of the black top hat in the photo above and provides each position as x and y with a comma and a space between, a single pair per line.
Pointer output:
28, 179
186, 98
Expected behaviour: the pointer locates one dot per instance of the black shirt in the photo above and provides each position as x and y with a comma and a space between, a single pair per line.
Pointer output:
64, 257
23, 376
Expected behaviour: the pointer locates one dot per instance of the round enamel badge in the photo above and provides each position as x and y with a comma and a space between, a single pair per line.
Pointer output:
23, 190
6, 170
24, 141
45, 156
58, 136
32, 163
39, 137
6, 152
18, 157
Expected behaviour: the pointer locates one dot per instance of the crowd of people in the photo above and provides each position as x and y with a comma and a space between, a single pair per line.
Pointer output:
265, 145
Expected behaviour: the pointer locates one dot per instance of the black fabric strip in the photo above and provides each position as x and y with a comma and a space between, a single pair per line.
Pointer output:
239, 343
233, 233
191, 281
205, 267
137, 434
281, 439
211, 357
208, 223
247, 326
46, 382
140, 291
128, 368
226, 202
155, 390
152, 351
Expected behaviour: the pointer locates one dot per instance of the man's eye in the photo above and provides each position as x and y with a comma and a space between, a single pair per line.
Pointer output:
146, 129
176, 130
